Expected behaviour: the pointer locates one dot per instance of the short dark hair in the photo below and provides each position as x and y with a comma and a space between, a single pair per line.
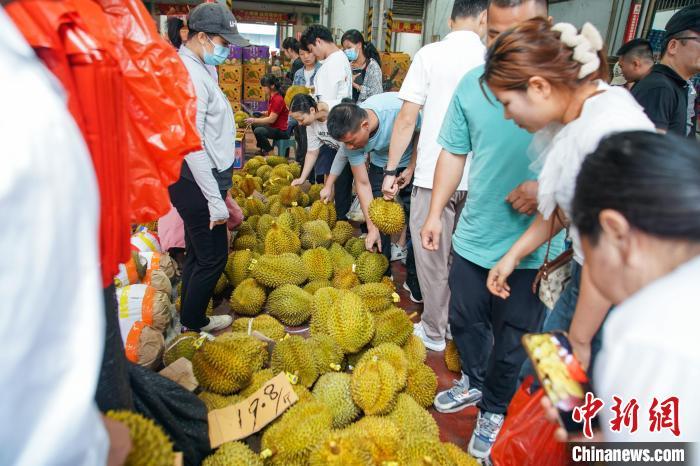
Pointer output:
314, 32
291, 43
270, 80
468, 8
653, 180
174, 26
345, 118
637, 48
303, 103
514, 3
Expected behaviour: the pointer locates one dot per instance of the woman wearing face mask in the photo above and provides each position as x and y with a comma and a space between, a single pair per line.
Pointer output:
366, 66
551, 81
274, 124
199, 194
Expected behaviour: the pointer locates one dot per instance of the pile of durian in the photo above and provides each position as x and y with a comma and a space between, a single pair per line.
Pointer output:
362, 382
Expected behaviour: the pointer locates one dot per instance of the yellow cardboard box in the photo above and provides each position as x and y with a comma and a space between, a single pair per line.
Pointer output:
232, 91
253, 72
253, 91
231, 74
394, 67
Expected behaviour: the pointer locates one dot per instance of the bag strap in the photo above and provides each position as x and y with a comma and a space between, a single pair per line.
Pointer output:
549, 242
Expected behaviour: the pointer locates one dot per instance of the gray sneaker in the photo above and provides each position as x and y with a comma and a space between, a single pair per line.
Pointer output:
458, 397
487, 427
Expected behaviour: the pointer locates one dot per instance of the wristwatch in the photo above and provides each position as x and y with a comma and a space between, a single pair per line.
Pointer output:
390, 172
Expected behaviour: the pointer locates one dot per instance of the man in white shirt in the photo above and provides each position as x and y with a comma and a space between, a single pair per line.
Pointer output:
431, 80
52, 311
333, 81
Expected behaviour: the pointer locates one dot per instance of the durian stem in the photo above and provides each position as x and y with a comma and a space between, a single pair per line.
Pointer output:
413, 316
334, 448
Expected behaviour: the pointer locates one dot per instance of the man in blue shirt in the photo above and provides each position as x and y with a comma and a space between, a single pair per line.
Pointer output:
486, 329
366, 129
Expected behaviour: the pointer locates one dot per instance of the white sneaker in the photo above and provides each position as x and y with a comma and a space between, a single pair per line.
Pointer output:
398, 253
217, 323
433, 345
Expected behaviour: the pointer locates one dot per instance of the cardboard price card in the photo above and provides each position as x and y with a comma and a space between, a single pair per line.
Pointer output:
238, 421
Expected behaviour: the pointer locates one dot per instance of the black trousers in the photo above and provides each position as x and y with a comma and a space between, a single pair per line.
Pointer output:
206, 252
487, 329
376, 179
264, 133
343, 193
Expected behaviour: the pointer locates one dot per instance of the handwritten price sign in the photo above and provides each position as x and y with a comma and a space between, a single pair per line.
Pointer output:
238, 421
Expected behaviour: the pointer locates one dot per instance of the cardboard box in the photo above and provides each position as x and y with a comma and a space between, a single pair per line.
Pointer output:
253, 72
253, 92
255, 106
235, 105
256, 53
232, 91
394, 67
231, 74
235, 54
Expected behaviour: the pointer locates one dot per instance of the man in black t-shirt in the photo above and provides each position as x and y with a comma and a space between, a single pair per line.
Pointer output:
664, 92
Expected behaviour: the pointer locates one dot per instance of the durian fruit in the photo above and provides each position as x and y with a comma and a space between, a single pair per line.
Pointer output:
421, 384
249, 185
295, 355
355, 246
265, 324
276, 208
382, 435
289, 221
280, 240
302, 393
333, 389
411, 419
221, 285
210, 308
245, 242
316, 233
354, 358
315, 192
251, 167
313, 286
219, 369
342, 449
422, 450
253, 220
395, 356
290, 196
253, 350
371, 267
376, 296
451, 355
458, 456
323, 305
246, 228
257, 381
389, 283
295, 169
323, 211
238, 266
299, 214
327, 354
290, 304
374, 386
345, 279
264, 225
304, 199
297, 433
215, 401
281, 171
391, 326
150, 446
248, 298
275, 271
340, 258
254, 206
318, 263
181, 346
415, 350
342, 232
233, 453
293, 91
264, 172
275, 160
388, 216
350, 324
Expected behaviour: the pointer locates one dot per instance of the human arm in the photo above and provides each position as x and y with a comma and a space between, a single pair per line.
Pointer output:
406, 176
277, 106
309, 163
538, 233
401, 135
372, 84
364, 194
524, 197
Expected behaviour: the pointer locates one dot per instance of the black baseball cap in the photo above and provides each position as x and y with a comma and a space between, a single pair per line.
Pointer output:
686, 19
215, 18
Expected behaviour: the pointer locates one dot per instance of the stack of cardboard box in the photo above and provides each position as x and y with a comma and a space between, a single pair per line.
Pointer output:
394, 68
231, 77
256, 62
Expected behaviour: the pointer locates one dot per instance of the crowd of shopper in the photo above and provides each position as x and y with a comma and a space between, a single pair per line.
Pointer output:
506, 146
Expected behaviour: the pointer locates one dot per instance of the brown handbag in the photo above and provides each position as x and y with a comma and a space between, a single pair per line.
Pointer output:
553, 276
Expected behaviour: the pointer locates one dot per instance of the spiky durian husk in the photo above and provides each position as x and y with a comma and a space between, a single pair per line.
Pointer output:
290, 304
421, 384
233, 453
275, 271
374, 386
323, 211
295, 355
333, 389
392, 354
150, 446
388, 216
265, 324
248, 298
220, 369
371, 267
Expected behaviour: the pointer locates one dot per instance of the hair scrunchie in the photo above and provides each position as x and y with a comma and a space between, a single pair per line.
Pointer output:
586, 45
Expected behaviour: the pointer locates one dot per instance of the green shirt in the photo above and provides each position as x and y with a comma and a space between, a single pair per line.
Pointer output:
488, 225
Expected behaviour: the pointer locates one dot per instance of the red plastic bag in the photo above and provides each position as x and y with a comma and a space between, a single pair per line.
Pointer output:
527, 437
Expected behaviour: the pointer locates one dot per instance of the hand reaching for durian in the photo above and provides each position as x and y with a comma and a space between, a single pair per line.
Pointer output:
390, 187
326, 193
298, 182
405, 177
373, 239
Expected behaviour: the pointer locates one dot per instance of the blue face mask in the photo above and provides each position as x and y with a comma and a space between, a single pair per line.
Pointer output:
351, 53
220, 54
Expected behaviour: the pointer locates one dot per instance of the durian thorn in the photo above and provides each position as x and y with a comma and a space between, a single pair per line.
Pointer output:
334, 448
375, 358
412, 316
267, 453
427, 461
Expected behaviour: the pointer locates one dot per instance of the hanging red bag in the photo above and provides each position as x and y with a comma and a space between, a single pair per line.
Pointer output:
527, 436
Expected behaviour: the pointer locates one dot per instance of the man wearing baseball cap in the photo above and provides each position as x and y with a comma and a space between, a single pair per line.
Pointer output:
664, 93
205, 178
